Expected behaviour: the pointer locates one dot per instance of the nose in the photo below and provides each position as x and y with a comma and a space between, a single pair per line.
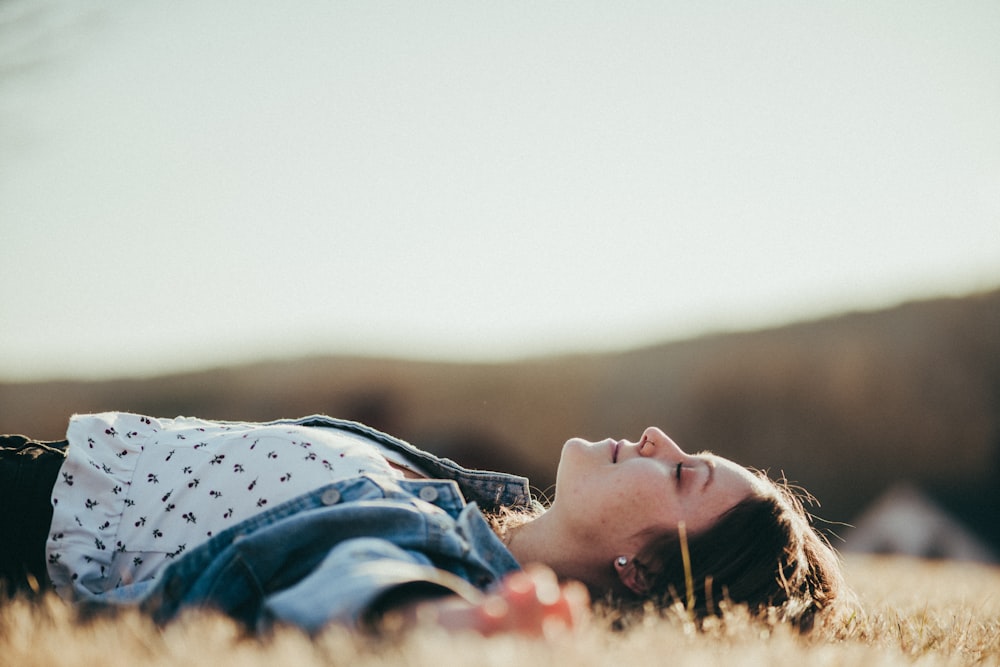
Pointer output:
655, 442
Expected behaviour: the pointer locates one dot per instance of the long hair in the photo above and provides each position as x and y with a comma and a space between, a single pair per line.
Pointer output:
763, 553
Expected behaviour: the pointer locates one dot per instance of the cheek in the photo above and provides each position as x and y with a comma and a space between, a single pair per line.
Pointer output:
659, 503
641, 499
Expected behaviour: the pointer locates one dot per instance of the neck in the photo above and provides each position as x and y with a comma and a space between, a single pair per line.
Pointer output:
541, 541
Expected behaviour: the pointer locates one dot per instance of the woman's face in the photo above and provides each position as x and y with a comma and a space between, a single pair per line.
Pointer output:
614, 492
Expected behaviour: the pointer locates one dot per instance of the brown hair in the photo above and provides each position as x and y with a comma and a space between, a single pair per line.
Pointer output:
763, 553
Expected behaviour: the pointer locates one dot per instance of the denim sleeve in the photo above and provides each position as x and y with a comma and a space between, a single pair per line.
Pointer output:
356, 581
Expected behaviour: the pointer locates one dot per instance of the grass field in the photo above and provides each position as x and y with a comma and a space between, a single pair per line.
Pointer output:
911, 613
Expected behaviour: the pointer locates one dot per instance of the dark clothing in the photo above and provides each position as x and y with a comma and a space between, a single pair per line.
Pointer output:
28, 471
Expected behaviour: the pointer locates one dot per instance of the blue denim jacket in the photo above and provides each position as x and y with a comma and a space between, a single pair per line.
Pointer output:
344, 552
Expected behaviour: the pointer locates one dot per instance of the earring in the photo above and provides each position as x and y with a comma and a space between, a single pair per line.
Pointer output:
621, 561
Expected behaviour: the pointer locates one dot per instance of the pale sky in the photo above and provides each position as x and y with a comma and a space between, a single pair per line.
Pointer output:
194, 183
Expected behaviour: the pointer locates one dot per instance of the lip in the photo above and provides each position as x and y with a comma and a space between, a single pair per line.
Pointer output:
615, 447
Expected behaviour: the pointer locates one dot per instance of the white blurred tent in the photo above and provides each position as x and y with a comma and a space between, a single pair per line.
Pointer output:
904, 520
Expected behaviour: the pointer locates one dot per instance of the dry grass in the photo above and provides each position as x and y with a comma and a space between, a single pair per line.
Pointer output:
912, 613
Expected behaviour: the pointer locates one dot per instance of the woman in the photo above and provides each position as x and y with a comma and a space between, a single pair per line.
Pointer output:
318, 520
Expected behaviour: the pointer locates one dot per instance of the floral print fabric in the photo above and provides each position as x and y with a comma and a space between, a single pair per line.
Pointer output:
136, 491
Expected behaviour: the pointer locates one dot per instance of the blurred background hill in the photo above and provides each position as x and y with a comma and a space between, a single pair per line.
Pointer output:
846, 406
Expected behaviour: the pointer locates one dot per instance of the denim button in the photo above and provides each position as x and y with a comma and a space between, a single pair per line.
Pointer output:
429, 493
330, 497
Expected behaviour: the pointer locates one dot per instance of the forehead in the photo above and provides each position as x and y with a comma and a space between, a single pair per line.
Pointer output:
733, 477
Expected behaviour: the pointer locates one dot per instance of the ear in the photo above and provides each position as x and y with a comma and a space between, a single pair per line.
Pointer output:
632, 574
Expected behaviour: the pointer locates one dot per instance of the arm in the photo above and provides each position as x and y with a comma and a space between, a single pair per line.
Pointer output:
372, 583
531, 602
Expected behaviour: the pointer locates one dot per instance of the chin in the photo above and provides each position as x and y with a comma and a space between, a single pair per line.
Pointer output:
575, 458
569, 450
577, 442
